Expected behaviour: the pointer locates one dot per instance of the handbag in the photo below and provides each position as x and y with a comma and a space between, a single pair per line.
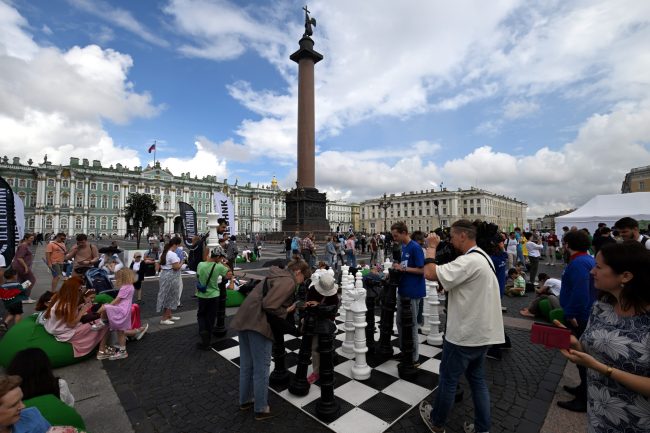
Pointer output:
203, 288
279, 326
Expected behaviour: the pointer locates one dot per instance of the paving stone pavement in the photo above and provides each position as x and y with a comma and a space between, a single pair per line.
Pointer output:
166, 385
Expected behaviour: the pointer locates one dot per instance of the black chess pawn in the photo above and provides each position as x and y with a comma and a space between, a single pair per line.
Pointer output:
373, 287
388, 303
280, 375
299, 384
406, 368
327, 407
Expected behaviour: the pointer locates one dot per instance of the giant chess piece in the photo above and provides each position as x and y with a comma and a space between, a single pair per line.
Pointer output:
360, 370
406, 368
299, 384
327, 407
435, 336
373, 286
280, 375
389, 300
426, 311
346, 300
219, 329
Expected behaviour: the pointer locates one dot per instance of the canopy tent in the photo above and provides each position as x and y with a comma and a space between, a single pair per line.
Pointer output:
607, 209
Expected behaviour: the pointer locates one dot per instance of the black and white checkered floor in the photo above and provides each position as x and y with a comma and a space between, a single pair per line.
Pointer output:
368, 406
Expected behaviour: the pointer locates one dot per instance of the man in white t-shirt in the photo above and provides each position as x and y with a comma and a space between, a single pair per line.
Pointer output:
511, 248
474, 323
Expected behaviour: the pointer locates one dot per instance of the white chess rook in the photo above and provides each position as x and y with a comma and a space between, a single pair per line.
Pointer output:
360, 370
426, 311
213, 237
435, 336
348, 344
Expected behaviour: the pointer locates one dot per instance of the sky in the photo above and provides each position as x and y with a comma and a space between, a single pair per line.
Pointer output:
547, 101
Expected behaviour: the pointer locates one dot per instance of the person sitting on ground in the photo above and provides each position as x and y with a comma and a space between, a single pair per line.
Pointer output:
14, 417
246, 254
12, 294
34, 368
63, 319
41, 306
519, 284
549, 289
110, 263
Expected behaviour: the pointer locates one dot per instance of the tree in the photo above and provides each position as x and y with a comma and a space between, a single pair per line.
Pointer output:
139, 212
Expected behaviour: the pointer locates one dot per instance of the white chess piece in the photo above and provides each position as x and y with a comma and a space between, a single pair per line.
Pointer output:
348, 343
360, 370
426, 311
435, 336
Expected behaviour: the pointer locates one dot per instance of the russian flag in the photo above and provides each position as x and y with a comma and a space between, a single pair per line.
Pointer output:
152, 147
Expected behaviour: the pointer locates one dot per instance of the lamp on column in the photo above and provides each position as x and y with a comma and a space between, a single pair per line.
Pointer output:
385, 203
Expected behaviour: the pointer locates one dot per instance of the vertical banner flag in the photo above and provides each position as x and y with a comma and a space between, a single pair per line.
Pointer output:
188, 216
19, 211
7, 222
224, 208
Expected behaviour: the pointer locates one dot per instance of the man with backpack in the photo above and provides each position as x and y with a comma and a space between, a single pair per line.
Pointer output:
84, 254
628, 229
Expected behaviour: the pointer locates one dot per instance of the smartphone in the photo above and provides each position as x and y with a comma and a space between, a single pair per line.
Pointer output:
550, 336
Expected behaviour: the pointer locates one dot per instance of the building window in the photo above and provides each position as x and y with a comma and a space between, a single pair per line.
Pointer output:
166, 205
114, 223
465, 210
22, 196
116, 201
93, 186
642, 186
32, 199
104, 202
48, 223
103, 223
93, 201
132, 188
21, 183
31, 223
80, 200
147, 190
104, 187
65, 200
63, 224
65, 184
49, 201
50, 183
92, 223
77, 223
157, 190
80, 185
10, 181
116, 188
478, 210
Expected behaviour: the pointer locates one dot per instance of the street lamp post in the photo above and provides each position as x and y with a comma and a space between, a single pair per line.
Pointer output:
385, 203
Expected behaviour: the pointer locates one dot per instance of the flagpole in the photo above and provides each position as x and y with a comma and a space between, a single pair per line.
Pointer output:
154, 153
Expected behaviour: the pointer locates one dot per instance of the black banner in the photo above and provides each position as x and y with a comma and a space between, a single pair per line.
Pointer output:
7, 222
188, 216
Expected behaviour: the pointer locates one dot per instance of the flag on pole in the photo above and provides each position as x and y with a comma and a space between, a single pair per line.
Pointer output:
152, 147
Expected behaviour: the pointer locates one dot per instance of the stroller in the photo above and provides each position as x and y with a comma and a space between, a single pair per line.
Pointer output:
98, 279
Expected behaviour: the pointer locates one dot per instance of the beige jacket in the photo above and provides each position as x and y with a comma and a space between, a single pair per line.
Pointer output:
252, 312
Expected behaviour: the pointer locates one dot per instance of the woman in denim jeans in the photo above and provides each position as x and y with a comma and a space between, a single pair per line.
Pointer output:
256, 337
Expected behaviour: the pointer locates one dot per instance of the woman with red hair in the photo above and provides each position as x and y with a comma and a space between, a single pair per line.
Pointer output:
63, 319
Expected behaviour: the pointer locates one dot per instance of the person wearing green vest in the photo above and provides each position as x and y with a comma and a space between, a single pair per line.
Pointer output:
209, 274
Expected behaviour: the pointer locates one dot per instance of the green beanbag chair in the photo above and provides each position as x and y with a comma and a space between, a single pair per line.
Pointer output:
56, 412
241, 259
234, 298
103, 298
545, 308
26, 334
557, 314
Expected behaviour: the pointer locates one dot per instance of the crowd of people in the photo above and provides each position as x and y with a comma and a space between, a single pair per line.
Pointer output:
603, 293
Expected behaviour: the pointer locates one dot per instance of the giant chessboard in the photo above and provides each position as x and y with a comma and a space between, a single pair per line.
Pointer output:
372, 405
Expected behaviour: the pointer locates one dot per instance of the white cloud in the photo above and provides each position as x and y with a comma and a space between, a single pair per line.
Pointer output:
118, 17
519, 108
202, 163
54, 101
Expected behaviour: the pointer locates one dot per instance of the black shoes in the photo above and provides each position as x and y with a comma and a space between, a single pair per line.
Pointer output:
574, 405
573, 390
494, 353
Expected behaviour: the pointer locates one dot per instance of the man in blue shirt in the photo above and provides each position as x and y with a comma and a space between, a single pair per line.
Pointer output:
576, 298
412, 282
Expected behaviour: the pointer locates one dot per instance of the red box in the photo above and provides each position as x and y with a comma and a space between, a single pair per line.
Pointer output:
550, 336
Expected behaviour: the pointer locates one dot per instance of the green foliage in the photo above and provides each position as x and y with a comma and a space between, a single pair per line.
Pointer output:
140, 207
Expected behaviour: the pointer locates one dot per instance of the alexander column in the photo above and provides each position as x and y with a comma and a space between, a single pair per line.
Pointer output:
305, 206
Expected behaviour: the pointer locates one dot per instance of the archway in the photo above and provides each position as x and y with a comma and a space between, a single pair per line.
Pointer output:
158, 225
178, 225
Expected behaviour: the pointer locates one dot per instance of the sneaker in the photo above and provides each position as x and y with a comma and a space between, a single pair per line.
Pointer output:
425, 413
29, 301
494, 353
96, 326
175, 318
313, 378
261, 416
166, 322
143, 331
246, 406
468, 428
120, 354
105, 354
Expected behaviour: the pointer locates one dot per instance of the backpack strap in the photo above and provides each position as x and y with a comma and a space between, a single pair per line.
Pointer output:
486, 258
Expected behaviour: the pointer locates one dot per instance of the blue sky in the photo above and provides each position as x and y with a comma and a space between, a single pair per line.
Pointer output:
548, 102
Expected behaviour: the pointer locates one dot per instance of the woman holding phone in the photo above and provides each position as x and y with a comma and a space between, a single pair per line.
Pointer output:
615, 346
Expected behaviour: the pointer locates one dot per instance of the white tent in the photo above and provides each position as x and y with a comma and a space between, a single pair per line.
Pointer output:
607, 209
